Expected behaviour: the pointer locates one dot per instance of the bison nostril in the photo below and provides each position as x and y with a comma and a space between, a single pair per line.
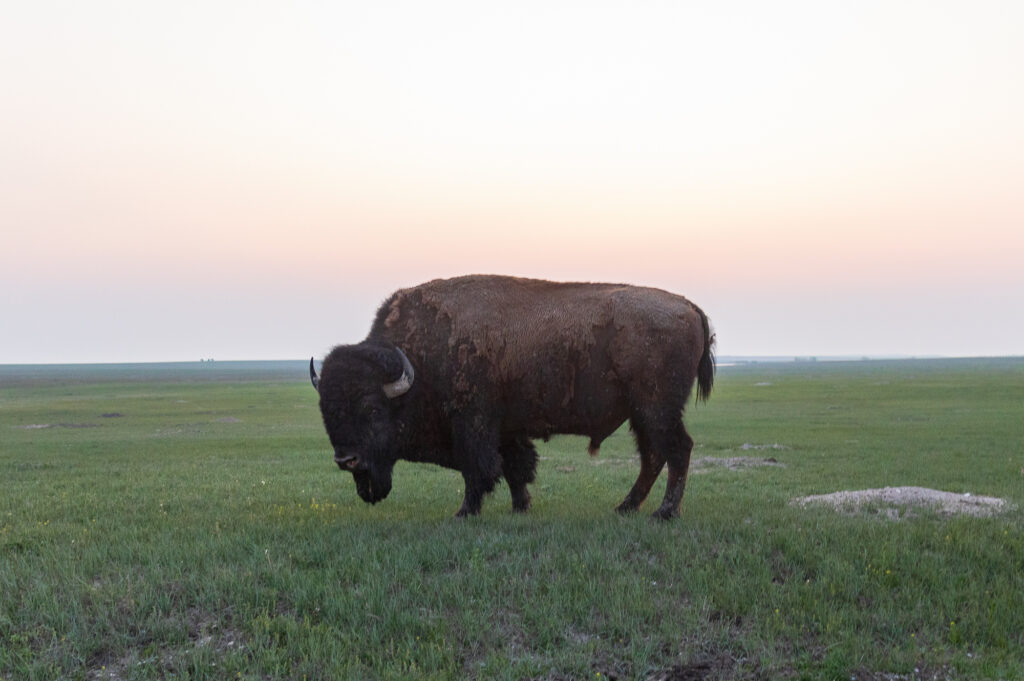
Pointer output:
348, 462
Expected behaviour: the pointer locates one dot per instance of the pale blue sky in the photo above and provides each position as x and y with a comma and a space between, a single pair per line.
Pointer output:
248, 180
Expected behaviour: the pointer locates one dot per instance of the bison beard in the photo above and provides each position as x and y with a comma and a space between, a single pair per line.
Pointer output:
465, 372
368, 490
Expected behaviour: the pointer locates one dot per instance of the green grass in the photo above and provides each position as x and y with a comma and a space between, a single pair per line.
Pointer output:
206, 534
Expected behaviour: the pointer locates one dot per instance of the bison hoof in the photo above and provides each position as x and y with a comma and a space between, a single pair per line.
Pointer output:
624, 508
521, 502
665, 514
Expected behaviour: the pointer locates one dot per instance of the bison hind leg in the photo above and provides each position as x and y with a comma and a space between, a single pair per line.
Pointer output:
594, 448
651, 429
678, 446
519, 466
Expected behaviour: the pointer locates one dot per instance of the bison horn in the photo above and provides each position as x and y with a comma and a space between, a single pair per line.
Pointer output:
312, 375
402, 385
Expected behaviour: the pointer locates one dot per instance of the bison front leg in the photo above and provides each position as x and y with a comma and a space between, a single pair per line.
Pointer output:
519, 465
475, 444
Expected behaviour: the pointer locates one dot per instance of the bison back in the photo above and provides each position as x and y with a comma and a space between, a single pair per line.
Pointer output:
563, 356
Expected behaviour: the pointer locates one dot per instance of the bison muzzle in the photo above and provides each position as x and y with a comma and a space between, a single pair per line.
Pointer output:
466, 372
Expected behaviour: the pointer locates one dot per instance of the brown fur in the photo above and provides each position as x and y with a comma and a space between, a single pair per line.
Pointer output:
500, 360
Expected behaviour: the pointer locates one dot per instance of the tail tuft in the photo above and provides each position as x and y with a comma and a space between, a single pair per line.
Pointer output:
706, 367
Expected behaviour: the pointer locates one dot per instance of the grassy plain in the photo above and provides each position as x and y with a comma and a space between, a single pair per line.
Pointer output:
186, 521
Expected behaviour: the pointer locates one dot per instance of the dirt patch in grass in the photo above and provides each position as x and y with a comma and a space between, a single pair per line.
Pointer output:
701, 668
40, 426
746, 446
900, 502
166, 661
920, 673
733, 463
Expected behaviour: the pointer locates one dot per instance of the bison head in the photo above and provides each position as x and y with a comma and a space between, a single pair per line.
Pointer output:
360, 388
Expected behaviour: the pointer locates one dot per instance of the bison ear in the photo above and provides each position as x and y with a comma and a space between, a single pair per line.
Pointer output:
404, 382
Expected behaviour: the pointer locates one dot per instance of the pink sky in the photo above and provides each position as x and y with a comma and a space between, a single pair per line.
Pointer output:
246, 181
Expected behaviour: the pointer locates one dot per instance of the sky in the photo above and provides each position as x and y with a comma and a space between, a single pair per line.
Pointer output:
249, 180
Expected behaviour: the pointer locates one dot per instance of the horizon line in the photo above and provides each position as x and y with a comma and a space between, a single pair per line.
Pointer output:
720, 360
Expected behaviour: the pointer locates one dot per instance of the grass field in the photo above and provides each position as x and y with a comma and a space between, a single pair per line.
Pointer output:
187, 521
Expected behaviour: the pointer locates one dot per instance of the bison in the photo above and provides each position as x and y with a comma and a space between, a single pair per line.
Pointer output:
466, 372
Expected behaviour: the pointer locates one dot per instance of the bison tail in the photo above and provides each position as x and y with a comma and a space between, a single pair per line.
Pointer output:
706, 367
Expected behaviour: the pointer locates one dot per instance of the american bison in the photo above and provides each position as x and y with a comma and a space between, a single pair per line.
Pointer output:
465, 372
